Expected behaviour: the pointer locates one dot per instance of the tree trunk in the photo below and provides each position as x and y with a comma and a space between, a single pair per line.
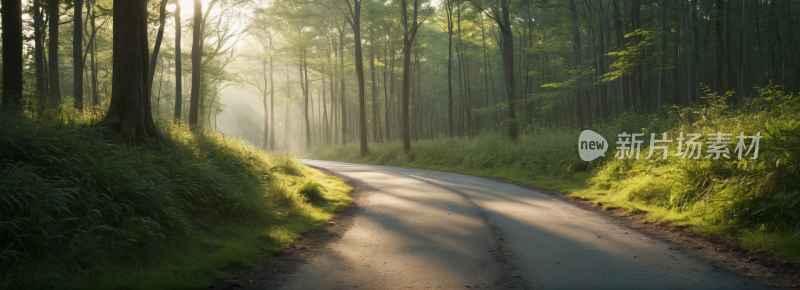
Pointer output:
197, 65
408, 40
55, 88
376, 122
355, 23
38, 50
95, 98
129, 113
306, 101
77, 60
271, 100
343, 111
508, 66
720, 49
576, 49
159, 36
449, 7
12, 53
288, 124
178, 76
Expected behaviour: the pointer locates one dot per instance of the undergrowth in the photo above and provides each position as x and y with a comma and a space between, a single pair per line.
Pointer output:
80, 209
754, 201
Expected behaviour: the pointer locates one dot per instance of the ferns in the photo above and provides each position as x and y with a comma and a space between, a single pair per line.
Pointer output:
73, 201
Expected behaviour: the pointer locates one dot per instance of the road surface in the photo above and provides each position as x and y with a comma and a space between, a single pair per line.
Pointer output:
427, 229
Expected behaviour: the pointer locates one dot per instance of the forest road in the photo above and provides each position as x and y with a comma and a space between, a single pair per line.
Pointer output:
426, 229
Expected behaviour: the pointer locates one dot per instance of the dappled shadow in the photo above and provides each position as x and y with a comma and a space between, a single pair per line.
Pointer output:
482, 230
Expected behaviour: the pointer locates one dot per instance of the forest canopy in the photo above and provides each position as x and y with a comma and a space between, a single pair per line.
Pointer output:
289, 75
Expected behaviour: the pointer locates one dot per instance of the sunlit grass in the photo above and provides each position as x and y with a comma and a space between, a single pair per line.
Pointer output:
82, 209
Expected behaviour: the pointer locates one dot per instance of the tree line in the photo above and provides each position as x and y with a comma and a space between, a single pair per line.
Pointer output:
374, 71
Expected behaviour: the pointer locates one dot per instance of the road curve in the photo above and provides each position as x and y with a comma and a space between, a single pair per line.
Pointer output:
429, 229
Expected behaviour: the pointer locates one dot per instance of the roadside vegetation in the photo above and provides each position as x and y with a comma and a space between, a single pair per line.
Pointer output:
756, 202
81, 209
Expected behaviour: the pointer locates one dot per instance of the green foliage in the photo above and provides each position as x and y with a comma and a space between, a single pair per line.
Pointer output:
632, 57
78, 203
312, 192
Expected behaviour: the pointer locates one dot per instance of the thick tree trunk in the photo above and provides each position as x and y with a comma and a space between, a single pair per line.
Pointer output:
129, 112
55, 88
197, 65
12, 53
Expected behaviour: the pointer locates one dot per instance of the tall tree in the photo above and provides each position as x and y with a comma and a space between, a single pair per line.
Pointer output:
197, 56
178, 64
501, 15
354, 18
77, 60
38, 27
53, 10
129, 112
448, 4
12, 53
409, 33
159, 36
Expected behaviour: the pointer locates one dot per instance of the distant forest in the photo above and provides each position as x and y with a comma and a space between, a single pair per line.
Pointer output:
337, 72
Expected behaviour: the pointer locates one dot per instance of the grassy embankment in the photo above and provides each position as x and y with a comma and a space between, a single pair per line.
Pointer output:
754, 201
80, 209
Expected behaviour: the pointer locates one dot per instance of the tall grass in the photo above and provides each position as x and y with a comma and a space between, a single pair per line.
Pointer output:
755, 201
77, 203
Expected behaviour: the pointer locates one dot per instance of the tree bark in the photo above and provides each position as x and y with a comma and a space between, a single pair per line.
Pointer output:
449, 7
408, 40
178, 76
159, 37
93, 64
197, 65
129, 113
12, 53
38, 26
77, 59
343, 111
55, 88
376, 122
355, 23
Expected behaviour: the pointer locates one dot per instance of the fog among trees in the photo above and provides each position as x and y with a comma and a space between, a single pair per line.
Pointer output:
289, 75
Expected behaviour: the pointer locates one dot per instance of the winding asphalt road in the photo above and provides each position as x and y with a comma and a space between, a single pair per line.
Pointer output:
429, 229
